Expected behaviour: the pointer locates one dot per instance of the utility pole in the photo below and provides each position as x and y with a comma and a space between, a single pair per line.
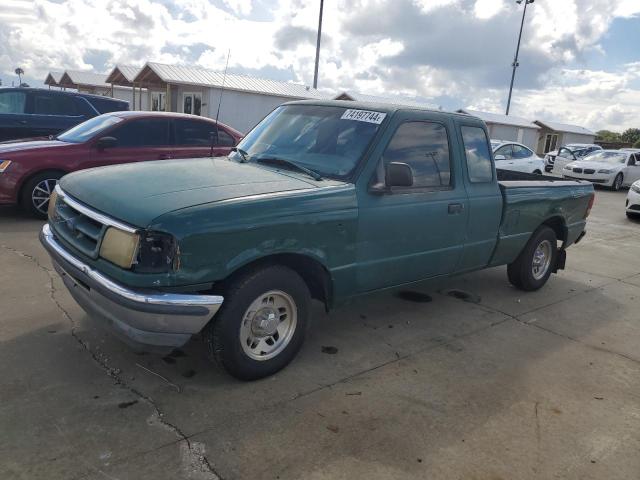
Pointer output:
515, 63
315, 75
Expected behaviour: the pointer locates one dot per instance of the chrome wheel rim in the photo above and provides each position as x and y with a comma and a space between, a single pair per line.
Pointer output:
268, 325
617, 183
41, 193
541, 259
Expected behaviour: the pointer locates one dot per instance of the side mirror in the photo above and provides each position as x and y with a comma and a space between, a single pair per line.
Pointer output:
106, 142
398, 175
500, 157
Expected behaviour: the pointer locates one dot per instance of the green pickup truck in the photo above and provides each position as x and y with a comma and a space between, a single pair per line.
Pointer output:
322, 200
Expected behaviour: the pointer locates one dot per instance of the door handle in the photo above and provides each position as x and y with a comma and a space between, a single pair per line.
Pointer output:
455, 208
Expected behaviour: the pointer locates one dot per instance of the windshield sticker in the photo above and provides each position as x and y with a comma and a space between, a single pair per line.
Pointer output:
364, 116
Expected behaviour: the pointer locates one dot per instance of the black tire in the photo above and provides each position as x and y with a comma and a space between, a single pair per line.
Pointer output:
30, 192
537, 172
617, 182
521, 271
633, 216
223, 335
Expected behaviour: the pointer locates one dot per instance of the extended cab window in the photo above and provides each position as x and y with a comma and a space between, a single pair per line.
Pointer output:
145, 132
424, 146
476, 147
12, 102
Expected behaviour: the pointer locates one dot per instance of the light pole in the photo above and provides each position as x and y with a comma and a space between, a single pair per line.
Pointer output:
515, 60
315, 74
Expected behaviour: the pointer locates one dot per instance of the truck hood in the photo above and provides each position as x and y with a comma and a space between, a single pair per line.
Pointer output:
17, 147
137, 193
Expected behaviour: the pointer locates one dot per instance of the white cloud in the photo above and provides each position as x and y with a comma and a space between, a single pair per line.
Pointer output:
486, 9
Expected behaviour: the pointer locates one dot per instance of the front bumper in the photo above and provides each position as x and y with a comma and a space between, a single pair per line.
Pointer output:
597, 179
633, 202
143, 318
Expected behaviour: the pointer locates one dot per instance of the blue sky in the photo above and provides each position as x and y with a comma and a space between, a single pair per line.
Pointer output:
580, 60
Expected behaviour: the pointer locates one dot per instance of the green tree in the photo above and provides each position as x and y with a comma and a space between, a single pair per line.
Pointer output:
637, 144
631, 135
608, 136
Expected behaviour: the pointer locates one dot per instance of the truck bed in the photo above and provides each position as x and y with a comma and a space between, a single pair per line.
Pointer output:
531, 200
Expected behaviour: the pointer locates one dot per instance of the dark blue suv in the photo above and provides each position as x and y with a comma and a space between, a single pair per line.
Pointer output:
33, 112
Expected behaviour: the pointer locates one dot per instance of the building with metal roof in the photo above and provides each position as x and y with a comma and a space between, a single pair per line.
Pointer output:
554, 135
243, 100
508, 127
396, 100
53, 79
124, 76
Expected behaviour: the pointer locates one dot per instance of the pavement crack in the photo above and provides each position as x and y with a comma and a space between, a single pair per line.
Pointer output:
193, 452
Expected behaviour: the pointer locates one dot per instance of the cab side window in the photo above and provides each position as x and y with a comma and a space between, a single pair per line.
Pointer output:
145, 132
476, 147
424, 146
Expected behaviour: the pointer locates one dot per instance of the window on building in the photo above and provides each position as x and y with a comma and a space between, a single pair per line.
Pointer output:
550, 142
158, 102
192, 103
52, 104
12, 102
476, 147
144, 132
424, 146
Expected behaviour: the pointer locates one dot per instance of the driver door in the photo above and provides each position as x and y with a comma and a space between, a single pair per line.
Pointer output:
632, 170
565, 157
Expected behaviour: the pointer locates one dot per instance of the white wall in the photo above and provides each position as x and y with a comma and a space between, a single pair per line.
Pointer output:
568, 138
526, 136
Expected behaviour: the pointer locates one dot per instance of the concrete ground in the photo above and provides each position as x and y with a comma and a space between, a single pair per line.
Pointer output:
498, 384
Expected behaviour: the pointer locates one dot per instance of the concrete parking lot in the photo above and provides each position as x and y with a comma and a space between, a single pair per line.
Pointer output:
485, 383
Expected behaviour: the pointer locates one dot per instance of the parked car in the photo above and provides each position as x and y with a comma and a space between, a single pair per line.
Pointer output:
633, 201
319, 200
610, 168
35, 112
566, 154
31, 169
517, 157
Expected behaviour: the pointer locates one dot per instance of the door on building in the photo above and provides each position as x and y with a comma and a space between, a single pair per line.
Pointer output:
158, 102
192, 103
550, 142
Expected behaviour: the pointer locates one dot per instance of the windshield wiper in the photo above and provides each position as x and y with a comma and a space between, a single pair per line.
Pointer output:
243, 154
284, 161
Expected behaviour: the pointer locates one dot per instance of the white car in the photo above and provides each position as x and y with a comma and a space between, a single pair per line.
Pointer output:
569, 153
611, 168
515, 156
633, 201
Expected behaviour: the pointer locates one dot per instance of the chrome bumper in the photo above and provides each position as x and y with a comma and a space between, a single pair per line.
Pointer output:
142, 317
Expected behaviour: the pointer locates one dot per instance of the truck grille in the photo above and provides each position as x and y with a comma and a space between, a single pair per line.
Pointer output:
577, 170
589, 171
76, 228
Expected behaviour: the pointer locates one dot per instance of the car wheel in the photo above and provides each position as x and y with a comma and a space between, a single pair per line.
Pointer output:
537, 172
261, 324
531, 270
36, 192
617, 182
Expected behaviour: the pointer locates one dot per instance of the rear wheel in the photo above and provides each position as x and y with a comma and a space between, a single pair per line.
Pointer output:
617, 182
531, 270
36, 192
538, 172
262, 323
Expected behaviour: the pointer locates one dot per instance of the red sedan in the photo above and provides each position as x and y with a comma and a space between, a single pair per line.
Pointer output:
29, 170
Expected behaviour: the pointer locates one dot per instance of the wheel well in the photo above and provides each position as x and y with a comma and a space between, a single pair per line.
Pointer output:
558, 226
315, 275
39, 172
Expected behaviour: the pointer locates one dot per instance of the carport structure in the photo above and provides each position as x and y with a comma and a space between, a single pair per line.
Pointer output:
86, 82
123, 76
554, 135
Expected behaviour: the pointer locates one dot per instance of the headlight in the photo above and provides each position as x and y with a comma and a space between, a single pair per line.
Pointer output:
158, 253
4, 164
567, 167
635, 187
604, 170
119, 247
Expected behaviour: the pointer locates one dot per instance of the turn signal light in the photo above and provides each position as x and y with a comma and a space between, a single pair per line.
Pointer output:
591, 202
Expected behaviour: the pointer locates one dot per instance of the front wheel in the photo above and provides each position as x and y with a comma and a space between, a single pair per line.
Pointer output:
262, 323
531, 270
36, 193
617, 182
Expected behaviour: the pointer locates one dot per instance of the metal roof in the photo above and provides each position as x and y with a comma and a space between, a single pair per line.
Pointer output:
53, 78
500, 119
77, 77
563, 127
178, 74
407, 102
128, 72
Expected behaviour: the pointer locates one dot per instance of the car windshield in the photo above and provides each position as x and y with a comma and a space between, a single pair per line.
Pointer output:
606, 157
89, 129
326, 139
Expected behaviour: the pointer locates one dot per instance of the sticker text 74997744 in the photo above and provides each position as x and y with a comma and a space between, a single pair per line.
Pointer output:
364, 116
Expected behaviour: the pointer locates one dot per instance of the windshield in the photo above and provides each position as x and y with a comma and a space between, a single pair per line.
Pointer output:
606, 157
326, 139
89, 129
